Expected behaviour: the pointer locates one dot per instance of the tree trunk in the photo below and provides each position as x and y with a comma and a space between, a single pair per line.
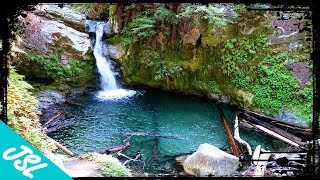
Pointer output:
229, 134
119, 15
275, 129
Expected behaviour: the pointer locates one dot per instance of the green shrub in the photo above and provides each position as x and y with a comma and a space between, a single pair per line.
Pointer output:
52, 66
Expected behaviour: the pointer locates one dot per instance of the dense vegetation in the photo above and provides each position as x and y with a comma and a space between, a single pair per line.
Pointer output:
212, 49
22, 114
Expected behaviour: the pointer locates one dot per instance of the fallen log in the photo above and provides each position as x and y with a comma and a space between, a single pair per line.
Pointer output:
229, 134
268, 118
108, 150
53, 118
288, 126
275, 129
236, 136
278, 136
61, 147
149, 134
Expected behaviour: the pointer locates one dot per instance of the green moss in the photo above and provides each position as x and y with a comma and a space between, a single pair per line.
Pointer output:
110, 166
235, 61
47, 72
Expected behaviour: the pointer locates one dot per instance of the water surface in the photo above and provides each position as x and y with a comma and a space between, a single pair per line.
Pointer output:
193, 121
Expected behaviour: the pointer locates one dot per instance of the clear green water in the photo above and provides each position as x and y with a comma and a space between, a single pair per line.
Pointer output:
194, 121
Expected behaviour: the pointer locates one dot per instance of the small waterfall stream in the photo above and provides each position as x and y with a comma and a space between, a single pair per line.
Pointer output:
107, 79
109, 87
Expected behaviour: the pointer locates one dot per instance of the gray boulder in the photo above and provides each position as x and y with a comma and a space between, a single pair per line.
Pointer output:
75, 44
210, 160
65, 15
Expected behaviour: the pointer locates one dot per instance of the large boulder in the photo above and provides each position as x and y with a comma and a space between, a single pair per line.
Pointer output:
43, 35
75, 44
210, 160
64, 14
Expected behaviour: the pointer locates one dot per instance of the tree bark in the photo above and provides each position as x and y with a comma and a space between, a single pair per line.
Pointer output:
119, 15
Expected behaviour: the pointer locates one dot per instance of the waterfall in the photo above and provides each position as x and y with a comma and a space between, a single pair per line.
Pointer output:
109, 87
107, 79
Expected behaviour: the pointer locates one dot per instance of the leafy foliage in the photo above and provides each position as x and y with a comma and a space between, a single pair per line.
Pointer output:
254, 68
245, 62
213, 13
22, 115
148, 23
163, 69
239, 55
52, 65
141, 27
110, 166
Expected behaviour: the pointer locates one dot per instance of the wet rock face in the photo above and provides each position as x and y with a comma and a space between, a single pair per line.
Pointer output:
189, 32
290, 27
290, 117
53, 115
74, 43
50, 33
301, 71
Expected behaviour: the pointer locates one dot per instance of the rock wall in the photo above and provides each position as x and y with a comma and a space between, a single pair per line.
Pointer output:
54, 37
196, 60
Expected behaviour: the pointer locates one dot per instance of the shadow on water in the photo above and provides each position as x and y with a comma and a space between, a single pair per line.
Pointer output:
194, 121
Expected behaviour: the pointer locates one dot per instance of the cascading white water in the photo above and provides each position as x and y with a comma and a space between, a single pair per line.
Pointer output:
108, 84
107, 79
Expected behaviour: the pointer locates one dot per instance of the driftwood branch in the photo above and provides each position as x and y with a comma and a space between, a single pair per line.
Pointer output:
120, 147
61, 147
236, 136
149, 134
137, 158
53, 118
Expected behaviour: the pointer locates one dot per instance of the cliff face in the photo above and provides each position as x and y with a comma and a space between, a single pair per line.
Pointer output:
255, 59
54, 48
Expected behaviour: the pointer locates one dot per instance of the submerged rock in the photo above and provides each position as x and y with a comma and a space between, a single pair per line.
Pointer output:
49, 98
210, 160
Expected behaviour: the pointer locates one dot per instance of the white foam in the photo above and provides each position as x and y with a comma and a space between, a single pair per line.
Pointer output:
115, 94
